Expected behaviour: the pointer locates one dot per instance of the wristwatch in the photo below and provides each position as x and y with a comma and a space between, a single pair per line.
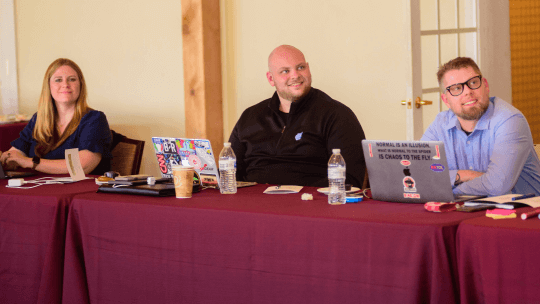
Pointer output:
35, 160
458, 180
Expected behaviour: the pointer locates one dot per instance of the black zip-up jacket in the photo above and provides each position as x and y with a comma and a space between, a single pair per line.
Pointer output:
296, 151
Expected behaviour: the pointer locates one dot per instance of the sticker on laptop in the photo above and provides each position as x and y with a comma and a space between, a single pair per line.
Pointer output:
405, 162
409, 184
411, 195
438, 153
437, 167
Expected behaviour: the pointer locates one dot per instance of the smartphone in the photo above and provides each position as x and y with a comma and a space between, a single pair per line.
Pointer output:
474, 208
132, 177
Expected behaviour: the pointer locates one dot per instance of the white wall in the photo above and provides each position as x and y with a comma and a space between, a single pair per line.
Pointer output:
356, 51
130, 52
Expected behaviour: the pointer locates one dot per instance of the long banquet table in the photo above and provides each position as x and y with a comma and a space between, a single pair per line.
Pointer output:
32, 238
499, 260
252, 247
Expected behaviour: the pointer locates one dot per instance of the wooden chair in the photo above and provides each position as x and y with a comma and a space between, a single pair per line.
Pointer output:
537, 149
127, 154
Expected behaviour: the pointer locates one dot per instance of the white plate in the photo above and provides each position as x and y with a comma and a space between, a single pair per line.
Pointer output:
325, 190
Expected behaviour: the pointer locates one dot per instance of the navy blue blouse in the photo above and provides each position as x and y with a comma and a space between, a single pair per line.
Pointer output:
92, 134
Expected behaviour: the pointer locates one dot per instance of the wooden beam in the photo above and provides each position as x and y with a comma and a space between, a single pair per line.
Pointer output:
202, 71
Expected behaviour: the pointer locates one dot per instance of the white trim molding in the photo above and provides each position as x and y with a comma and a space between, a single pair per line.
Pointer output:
9, 88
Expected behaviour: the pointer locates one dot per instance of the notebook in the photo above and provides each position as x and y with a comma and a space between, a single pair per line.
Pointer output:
187, 152
409, 171
14, 174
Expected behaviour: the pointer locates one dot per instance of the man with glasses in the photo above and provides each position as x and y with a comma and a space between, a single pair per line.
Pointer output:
288, 139
488, 142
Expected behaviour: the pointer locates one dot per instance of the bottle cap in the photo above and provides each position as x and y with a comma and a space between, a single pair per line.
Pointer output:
227, 144
336, 151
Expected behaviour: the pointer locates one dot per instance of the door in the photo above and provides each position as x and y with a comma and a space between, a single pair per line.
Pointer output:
442, 30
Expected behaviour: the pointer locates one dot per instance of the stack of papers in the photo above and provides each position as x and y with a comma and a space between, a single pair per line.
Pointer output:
506, 202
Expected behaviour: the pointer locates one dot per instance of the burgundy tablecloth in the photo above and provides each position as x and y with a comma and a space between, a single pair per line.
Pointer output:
10, 132
499, 260
32, 239
257, 248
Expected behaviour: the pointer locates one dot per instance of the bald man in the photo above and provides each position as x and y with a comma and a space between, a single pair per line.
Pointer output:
288, 138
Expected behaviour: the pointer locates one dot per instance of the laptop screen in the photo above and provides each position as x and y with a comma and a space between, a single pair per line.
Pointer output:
408, 171
198, 153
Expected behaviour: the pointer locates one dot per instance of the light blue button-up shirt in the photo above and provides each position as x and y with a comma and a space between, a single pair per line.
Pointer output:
500, 145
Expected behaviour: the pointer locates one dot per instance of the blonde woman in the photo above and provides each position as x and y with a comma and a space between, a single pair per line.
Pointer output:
63, 121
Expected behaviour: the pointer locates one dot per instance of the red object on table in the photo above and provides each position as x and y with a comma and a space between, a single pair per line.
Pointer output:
252, 247
9, 132
32, 239
498, 260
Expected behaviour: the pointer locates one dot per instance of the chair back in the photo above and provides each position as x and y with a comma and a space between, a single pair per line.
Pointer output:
127, 155
365, 184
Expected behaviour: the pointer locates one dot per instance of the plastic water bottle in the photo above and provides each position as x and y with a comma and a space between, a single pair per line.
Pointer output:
336, 178
227, 170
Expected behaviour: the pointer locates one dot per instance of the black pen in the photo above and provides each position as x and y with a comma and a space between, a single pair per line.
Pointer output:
523, 196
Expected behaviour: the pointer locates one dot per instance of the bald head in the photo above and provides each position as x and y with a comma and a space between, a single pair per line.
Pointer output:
283, 52
289, 72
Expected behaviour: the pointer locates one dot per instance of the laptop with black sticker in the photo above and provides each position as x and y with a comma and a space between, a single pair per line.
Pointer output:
409, 171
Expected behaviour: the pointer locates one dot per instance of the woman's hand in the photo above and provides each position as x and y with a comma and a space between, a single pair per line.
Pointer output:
14, 158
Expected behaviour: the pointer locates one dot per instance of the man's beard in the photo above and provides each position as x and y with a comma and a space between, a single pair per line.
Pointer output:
291, 97
288, 95
474, 113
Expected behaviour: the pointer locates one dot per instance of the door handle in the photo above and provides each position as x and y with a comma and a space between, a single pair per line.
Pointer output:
417, 102
406, 102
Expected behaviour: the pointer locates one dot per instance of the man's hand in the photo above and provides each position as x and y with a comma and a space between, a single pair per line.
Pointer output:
467, 175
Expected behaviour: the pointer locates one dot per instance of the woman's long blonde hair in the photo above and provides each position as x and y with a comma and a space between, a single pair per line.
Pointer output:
46, 131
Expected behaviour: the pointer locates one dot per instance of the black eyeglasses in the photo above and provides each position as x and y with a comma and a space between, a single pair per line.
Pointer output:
473, 84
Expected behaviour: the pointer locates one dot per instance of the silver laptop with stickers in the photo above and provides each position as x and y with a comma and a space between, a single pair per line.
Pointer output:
408, 171
198, 153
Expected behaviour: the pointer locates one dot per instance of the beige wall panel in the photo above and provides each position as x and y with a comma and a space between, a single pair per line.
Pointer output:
357, 53
130, 52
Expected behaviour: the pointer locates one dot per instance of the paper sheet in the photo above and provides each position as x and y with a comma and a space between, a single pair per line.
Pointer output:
74, 166
282, 189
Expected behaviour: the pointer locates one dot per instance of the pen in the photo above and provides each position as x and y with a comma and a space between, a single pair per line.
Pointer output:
523, 196
529, 214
